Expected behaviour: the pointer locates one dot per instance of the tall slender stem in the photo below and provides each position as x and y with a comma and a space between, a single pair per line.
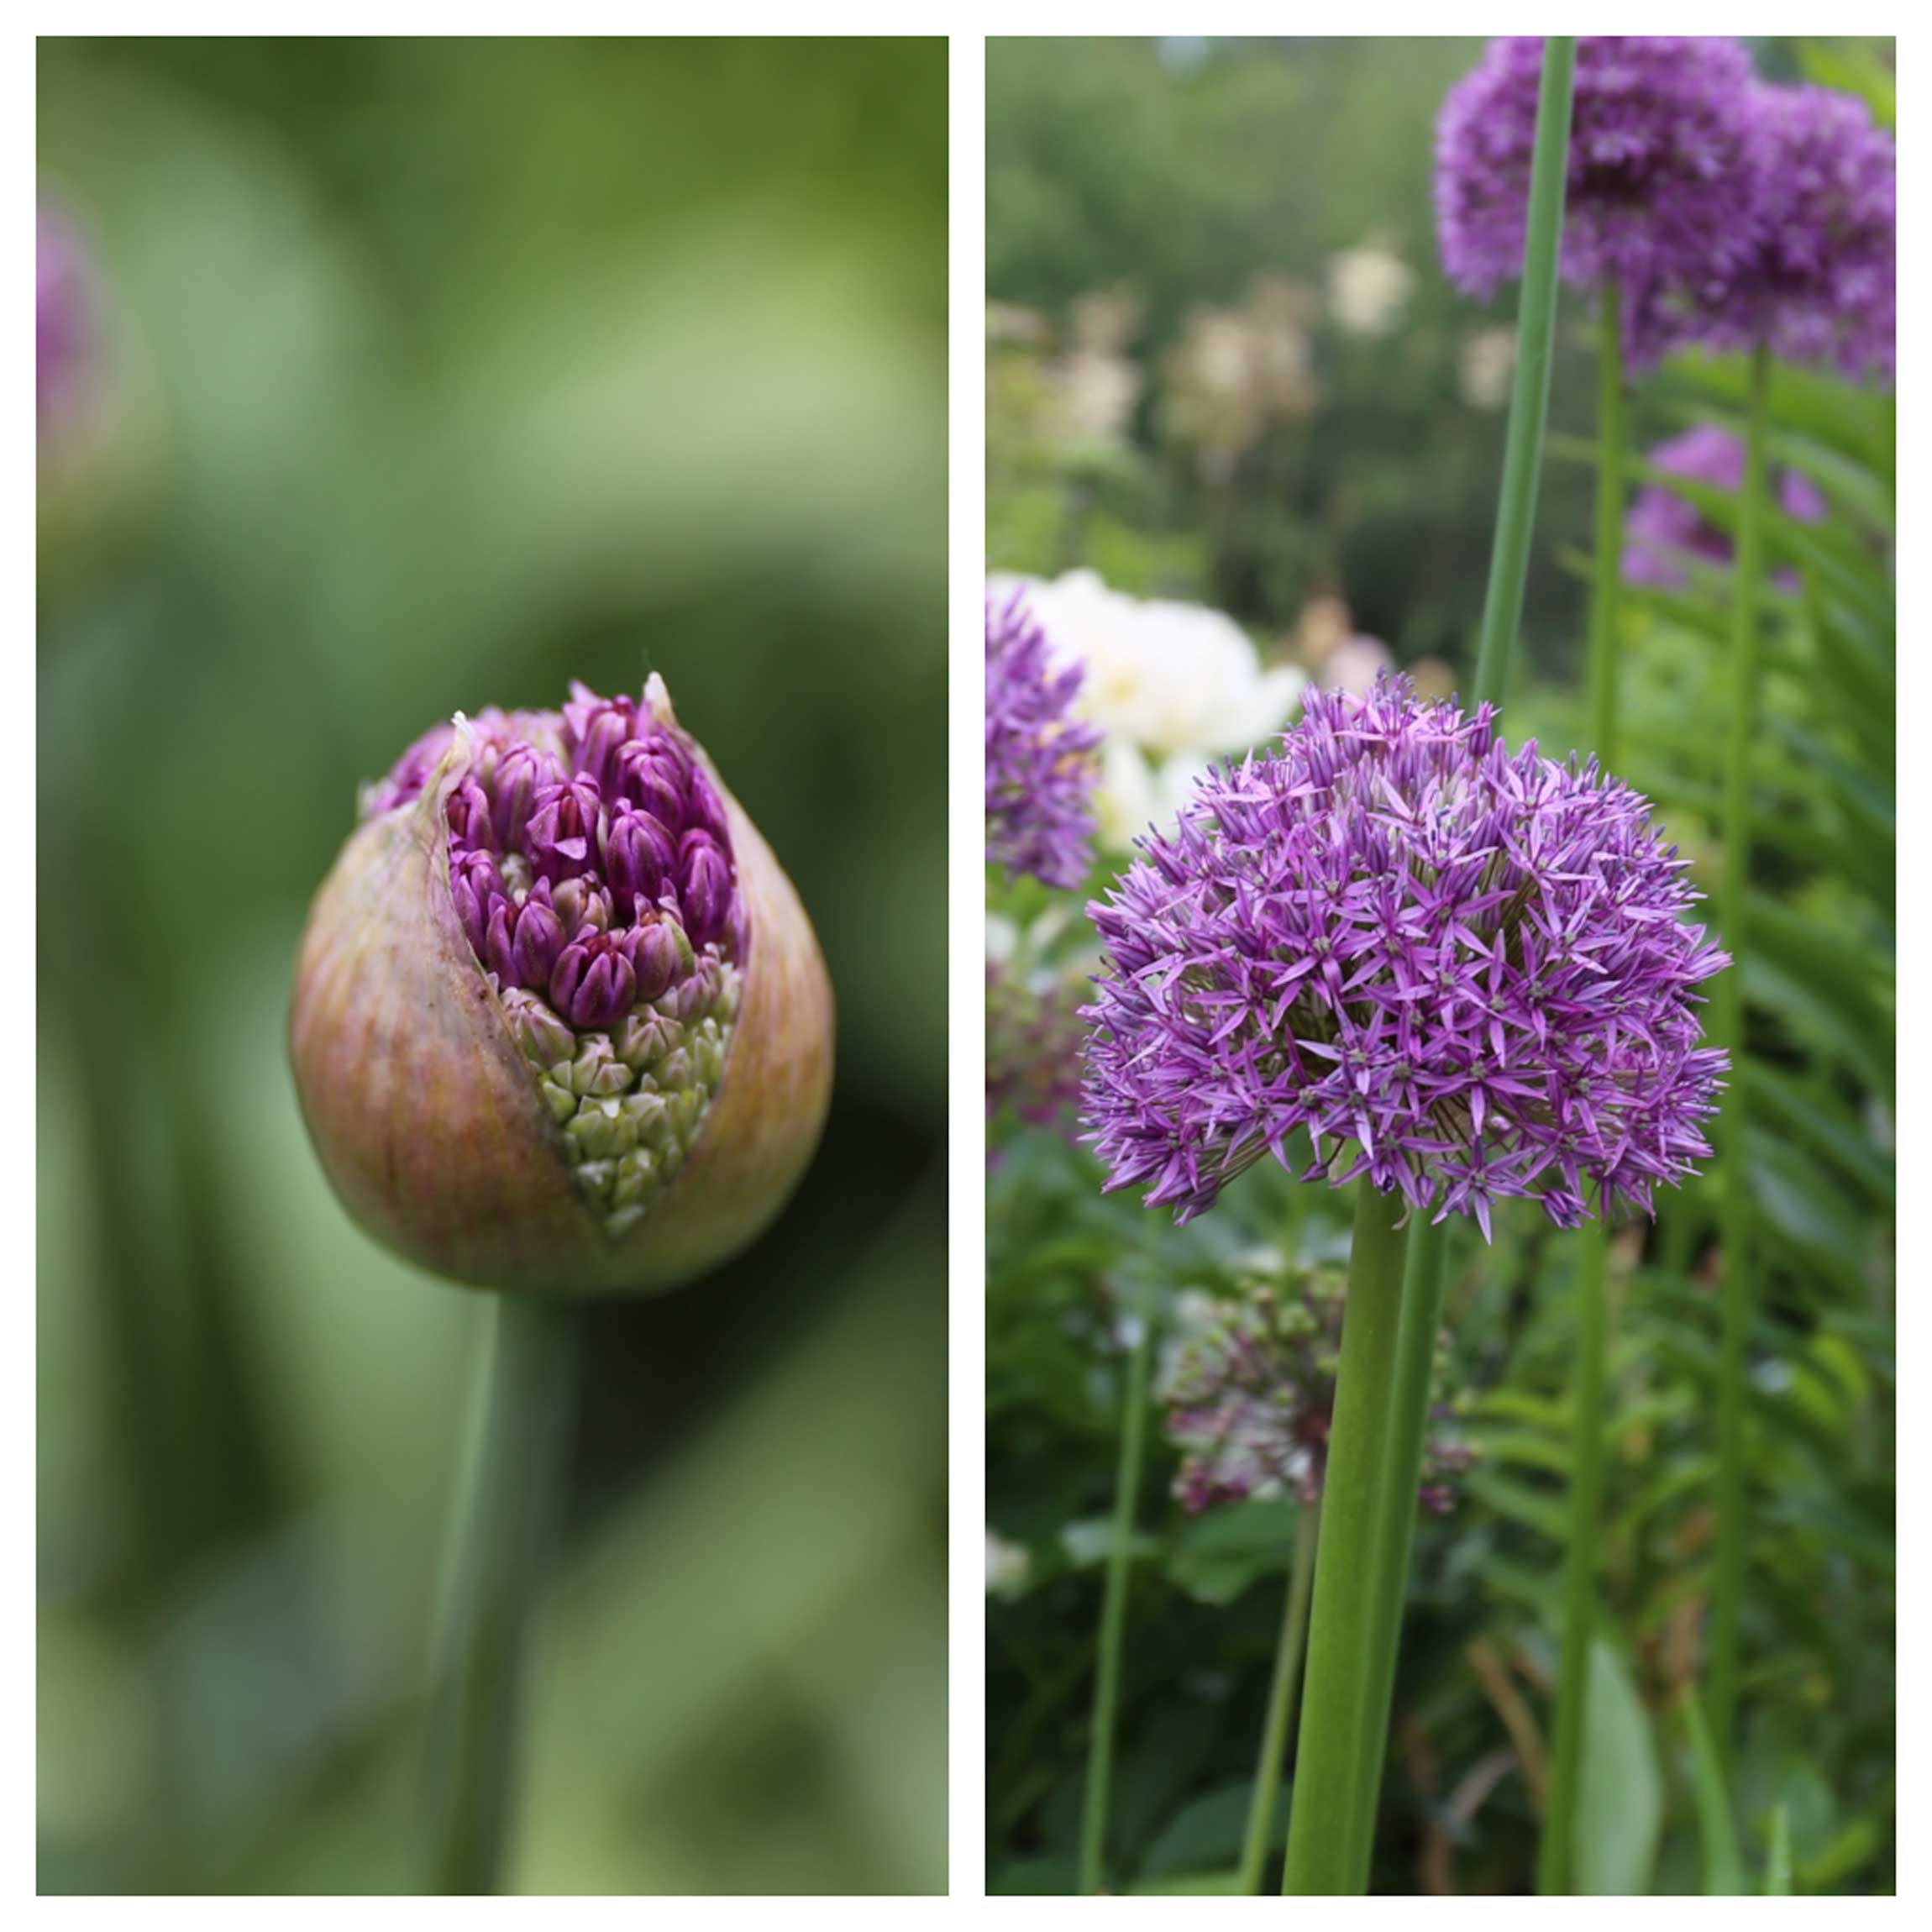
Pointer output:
506, 1509
1425, 1274
1529, 396
1727, 1004
1113, 1606
1554, 1875
1288, 1653
1343, 1673
1606, 581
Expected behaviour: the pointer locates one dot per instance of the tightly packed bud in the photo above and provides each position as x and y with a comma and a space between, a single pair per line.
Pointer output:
1463, 970
1250, 1400
560, 1021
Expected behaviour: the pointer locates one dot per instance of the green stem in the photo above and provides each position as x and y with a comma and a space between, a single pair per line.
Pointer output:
1425, 1274
1607, 580
1580, 1560
1343, 1673
1580, 1557
1114, 1609
1529, 396
506, 1506
1727, 1030
1280, 1699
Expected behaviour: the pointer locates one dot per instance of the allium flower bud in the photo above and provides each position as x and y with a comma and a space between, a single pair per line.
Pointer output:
1249, 1399
545, 1041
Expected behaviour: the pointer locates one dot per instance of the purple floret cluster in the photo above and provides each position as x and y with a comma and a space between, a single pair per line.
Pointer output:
591, 867
1463, 971
1250, 1400
60, 312
1663, 531
1727, 210
1658, 192
1039, 760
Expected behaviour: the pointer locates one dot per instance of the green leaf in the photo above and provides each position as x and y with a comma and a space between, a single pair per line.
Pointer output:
1619, 1794
1722, 1866
1090, 1540
1220, 1554
1207, 1832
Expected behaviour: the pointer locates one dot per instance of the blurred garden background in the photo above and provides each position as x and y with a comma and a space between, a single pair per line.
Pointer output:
1243, 435
400, 376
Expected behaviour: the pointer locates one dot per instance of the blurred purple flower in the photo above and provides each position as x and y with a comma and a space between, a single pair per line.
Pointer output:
1463, 970
62, 328
1250, 1399
1658, 193
1818, 282
1034, 1034
1662, 530
1039, 761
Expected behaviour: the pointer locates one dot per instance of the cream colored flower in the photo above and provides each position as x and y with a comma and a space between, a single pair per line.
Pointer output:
1368, 289
1172, 686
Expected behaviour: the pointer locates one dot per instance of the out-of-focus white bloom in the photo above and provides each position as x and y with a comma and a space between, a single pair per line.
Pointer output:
1238, 372
1368, 289
1095, 396
1172, 686
1354, 665
1008, 323
1488, 364
1007, 1565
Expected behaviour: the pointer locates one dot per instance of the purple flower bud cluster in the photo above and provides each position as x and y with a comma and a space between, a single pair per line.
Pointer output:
1250, 1400
591, 867
1463, 971
1658, 196
1039, 761
1727, 210
1663, 532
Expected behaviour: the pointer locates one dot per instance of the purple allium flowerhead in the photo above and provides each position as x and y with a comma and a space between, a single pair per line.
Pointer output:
523, 988
1463, 970
1040, 766
1663, 531
62, 326
1249, 1401
1658, 192
1819, 281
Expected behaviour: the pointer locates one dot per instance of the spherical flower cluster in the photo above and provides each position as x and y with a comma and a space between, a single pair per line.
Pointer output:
591, 866
1462, 970
1819, 282
1663, 531
1249, 1401
1658, 193
1168, 686
1039, 761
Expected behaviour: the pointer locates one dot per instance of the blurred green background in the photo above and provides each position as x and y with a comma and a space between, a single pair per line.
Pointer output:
427, 374
1223, 366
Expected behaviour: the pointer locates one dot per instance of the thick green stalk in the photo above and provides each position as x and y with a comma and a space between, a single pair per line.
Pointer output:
1580, 1562
506, 1510
1727, 1031
1529, 396
1580, 1557
1343, 1673
1280, 1699
1426, 1271
1114, 1609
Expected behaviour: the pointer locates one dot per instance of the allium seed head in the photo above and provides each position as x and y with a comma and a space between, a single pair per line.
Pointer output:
1249, 1399
1464, 971
560, 1022
1039, 761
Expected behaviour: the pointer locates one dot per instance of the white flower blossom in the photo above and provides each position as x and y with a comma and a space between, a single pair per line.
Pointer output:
1007, 1565
1173, 687
1368, 289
